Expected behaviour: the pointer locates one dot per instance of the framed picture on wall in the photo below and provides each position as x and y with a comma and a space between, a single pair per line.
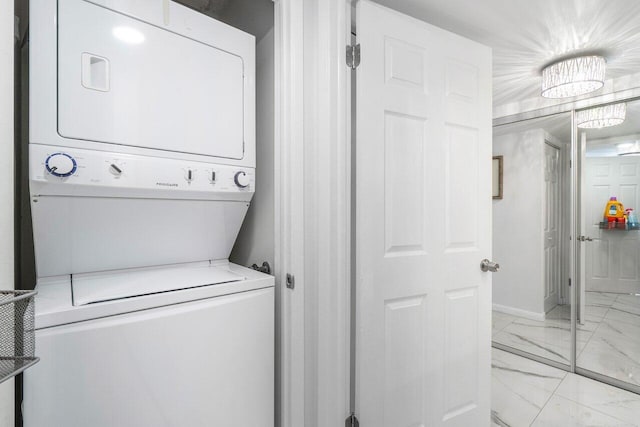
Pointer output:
497, 177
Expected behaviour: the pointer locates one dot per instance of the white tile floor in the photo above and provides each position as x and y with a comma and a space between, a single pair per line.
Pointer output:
528, 393
608, 342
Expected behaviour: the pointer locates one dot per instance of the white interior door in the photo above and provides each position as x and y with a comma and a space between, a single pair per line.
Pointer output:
611, 258
423, 224
551, 226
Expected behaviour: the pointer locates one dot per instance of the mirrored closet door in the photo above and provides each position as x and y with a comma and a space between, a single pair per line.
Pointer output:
531, 293
591, 323
608, 251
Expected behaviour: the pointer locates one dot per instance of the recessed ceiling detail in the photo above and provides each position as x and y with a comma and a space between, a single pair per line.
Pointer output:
573, 77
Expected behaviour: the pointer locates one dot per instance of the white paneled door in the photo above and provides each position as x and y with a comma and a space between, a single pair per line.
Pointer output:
423, 224
611, 257
551, 226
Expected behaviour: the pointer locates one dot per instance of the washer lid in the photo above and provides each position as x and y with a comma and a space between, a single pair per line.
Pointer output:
91, 288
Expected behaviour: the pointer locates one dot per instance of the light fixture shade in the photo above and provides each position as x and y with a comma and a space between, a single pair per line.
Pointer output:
629, 149
601, 117
573, 77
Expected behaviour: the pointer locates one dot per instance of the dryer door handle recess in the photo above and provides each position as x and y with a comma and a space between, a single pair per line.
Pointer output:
95, 72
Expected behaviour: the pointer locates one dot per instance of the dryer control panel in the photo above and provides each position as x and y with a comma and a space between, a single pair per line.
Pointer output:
77, 172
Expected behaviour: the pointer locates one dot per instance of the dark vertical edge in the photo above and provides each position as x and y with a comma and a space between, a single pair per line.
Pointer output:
21, 114
27, 256
17, 134
17, 137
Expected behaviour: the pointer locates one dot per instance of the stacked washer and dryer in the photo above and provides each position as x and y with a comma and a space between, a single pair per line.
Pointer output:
142, 167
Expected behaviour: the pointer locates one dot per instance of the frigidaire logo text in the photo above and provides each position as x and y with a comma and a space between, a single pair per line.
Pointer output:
166, 184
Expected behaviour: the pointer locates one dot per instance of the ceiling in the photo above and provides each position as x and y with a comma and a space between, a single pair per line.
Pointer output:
527, 34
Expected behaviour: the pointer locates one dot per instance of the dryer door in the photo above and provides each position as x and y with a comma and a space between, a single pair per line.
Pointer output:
123, 81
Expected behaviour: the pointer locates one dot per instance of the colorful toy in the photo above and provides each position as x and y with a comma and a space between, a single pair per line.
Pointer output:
614, 211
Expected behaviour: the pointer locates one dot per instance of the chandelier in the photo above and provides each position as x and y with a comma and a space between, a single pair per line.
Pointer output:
601, 117
573, 77
629, 149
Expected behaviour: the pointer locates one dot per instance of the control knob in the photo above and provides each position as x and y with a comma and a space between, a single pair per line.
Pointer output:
115, 169
61, 165
242, 179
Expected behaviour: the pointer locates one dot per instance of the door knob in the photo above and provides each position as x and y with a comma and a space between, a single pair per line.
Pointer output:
585, 239
486, 265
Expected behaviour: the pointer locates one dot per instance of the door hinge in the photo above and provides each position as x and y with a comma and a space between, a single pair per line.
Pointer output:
569, 281
351, 421
353, 56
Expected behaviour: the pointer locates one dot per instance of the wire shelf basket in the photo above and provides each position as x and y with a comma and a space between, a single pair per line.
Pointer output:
17, 332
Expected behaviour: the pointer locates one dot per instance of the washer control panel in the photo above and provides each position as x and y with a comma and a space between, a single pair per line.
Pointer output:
53, 165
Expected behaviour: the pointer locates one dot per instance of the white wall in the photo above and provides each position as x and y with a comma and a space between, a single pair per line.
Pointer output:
252, 16
255, 242
6, 179
517, 224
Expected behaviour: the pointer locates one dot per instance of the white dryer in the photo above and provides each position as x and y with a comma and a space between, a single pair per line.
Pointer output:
142, 168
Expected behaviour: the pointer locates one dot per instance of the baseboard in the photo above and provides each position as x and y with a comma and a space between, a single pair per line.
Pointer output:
616, 288
532, 315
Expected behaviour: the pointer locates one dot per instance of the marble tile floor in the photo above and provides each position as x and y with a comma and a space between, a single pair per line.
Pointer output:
528, 393
608, 342
614, 347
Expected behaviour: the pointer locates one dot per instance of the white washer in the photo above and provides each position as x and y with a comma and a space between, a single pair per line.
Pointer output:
200, 356
142, 167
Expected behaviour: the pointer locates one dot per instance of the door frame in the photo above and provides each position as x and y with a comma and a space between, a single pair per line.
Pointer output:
288, 212
564, 289
313, 320
312, 212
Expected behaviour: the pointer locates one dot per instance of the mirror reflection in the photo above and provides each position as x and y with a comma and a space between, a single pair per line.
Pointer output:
531, 298
609, 248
